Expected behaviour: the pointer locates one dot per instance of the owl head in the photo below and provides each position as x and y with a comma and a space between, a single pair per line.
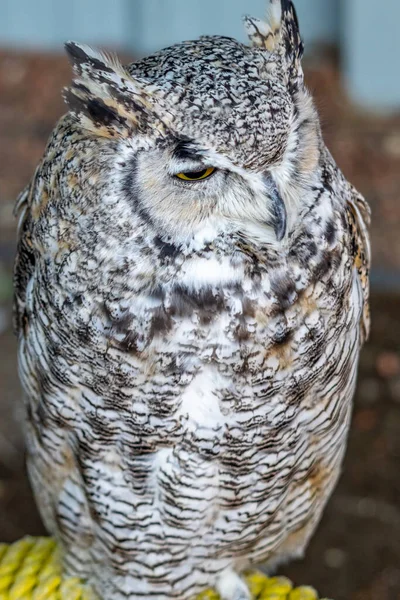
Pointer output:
216, 134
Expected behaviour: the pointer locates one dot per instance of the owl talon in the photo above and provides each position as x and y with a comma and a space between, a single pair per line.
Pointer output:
230, 586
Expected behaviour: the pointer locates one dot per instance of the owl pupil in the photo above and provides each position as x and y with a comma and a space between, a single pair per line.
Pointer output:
195, 174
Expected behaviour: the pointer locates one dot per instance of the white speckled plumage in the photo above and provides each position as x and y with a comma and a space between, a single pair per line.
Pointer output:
188, 350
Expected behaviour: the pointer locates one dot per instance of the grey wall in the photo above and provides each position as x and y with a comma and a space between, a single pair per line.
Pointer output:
163, 22
371, 50
48, 23
145, 25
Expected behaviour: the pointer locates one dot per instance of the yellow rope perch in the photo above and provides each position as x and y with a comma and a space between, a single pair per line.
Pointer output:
31, 570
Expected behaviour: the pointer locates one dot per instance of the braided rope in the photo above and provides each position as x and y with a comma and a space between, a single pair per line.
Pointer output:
30, 569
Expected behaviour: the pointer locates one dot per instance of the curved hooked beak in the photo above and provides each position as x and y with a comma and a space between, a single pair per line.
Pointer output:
277, 208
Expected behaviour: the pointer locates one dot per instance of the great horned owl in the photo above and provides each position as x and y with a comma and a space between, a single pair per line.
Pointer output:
191, 299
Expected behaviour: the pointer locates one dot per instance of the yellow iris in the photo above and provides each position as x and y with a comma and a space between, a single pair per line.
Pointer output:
196, 175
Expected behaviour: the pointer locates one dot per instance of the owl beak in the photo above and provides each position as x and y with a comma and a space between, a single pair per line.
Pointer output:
277, 209
279, 215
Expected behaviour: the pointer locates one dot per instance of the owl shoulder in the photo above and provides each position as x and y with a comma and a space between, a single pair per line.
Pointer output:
359, 219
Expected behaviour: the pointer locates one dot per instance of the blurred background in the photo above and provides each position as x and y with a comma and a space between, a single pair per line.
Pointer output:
353, 70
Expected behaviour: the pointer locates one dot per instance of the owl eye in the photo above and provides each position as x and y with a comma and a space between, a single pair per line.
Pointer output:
196, 175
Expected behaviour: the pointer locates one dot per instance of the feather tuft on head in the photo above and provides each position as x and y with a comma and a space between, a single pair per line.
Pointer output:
104, 98
279, 35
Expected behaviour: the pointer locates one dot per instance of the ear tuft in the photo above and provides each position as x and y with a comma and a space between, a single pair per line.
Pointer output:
280, 35
293, 47
262, 34
104, 98
84, 57
274, 14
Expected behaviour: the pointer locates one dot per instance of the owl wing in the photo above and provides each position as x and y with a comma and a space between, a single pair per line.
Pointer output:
24, 261
359, 218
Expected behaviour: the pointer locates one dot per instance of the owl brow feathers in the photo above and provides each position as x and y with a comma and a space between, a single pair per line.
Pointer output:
106, 99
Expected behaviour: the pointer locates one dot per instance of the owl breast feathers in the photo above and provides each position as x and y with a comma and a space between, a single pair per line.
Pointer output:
191, 299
